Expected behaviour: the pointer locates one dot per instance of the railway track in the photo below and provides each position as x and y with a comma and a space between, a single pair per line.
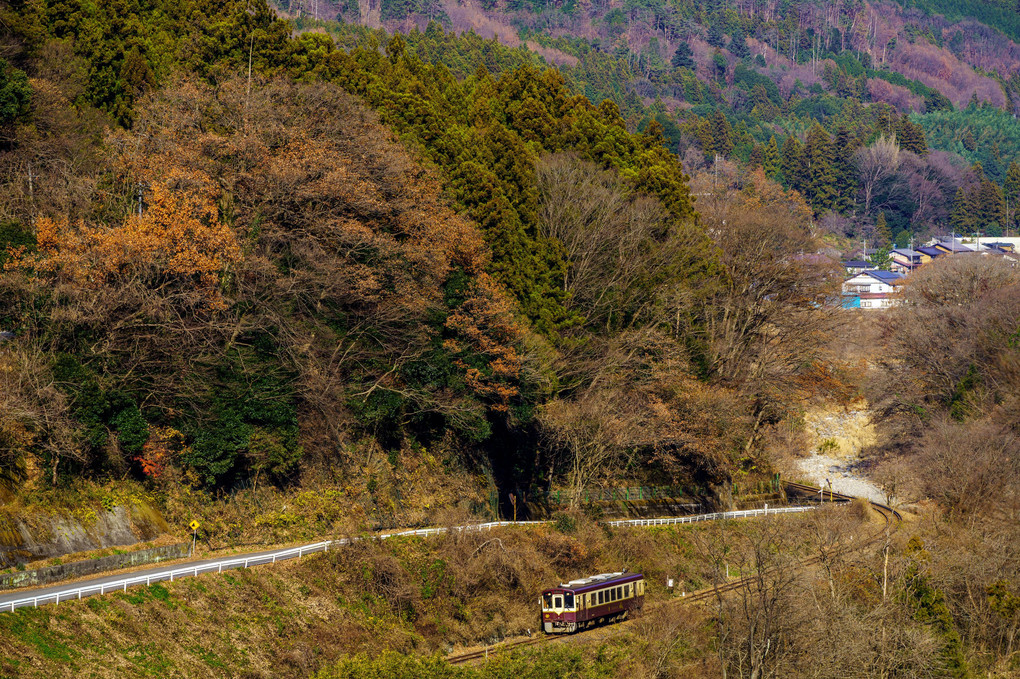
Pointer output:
891, 519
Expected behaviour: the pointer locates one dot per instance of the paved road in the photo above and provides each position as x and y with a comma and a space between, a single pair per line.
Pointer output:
107, 583
120, 581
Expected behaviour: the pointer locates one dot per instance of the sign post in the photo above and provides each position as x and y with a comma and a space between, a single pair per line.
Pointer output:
194, 536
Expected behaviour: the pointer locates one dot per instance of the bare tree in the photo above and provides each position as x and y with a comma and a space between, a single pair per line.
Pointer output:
876, 164
595, 430
757, 624
34, 414
959, 280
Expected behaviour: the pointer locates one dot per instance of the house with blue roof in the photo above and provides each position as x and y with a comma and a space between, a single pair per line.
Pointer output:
856, 266
929, 253
872, 289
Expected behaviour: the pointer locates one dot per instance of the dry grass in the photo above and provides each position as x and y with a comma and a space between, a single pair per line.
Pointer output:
409, 595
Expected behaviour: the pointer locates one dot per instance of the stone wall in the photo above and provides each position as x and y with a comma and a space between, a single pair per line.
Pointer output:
30, 537
75, 569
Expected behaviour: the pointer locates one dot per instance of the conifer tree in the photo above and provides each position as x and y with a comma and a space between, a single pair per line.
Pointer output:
911, 136
790, 163
844, 171
962, 217
991, 207
763, 106
884, 123
704, 134
1011, 194
738, 44
722, 134
882, 235
715, 35
684, 56
757, 156
968, 140
771, 162
817, 161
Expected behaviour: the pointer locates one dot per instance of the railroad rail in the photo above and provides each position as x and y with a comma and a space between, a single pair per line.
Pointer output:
891, 520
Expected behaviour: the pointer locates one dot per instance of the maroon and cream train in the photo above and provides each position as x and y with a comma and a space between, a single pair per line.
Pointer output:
580, 604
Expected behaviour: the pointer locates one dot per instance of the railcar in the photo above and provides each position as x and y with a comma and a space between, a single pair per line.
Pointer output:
584, 603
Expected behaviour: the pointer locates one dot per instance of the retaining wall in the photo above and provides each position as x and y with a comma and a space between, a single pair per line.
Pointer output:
74, 569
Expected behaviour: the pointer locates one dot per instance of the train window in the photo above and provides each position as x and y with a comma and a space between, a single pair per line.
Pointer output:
626, 591
568, 600
612, 594
557, 602
547, 601
600, 598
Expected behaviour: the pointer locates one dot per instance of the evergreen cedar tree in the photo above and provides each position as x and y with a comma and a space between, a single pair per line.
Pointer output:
980, 204
683, 57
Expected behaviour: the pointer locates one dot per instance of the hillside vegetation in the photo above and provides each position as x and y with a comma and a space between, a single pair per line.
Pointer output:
352, 611
311, 278
803, 90
223, 281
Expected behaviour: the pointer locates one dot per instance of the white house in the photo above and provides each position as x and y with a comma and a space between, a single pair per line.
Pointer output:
871, 290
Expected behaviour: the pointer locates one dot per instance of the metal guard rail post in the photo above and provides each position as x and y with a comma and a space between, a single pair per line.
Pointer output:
298, 552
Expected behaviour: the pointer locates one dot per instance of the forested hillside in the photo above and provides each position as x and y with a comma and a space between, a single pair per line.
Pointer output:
804, 90
305, 276
232, 271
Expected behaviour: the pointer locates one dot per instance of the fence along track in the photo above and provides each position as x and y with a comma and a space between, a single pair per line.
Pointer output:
220, 565
891, 519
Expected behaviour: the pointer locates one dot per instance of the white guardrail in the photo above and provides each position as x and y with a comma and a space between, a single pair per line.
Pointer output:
75, 593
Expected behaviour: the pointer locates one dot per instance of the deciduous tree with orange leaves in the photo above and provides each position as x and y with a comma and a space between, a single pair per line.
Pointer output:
178, 240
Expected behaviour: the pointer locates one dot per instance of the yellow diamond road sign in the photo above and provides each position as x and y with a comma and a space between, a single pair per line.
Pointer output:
194, 525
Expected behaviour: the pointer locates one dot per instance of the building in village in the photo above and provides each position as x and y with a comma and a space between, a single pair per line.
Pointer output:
872, 289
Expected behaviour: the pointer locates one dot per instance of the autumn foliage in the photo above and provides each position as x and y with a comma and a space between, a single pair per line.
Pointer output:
178, 238
164, 447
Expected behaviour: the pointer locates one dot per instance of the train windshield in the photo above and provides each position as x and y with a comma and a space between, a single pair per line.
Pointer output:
568, 600
547, 601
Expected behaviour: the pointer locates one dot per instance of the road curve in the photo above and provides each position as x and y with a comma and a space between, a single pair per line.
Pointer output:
54, 594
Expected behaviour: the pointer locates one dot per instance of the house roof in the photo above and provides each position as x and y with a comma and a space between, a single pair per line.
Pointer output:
889, 277
856, 264
907, 252
953, 246
930, 250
